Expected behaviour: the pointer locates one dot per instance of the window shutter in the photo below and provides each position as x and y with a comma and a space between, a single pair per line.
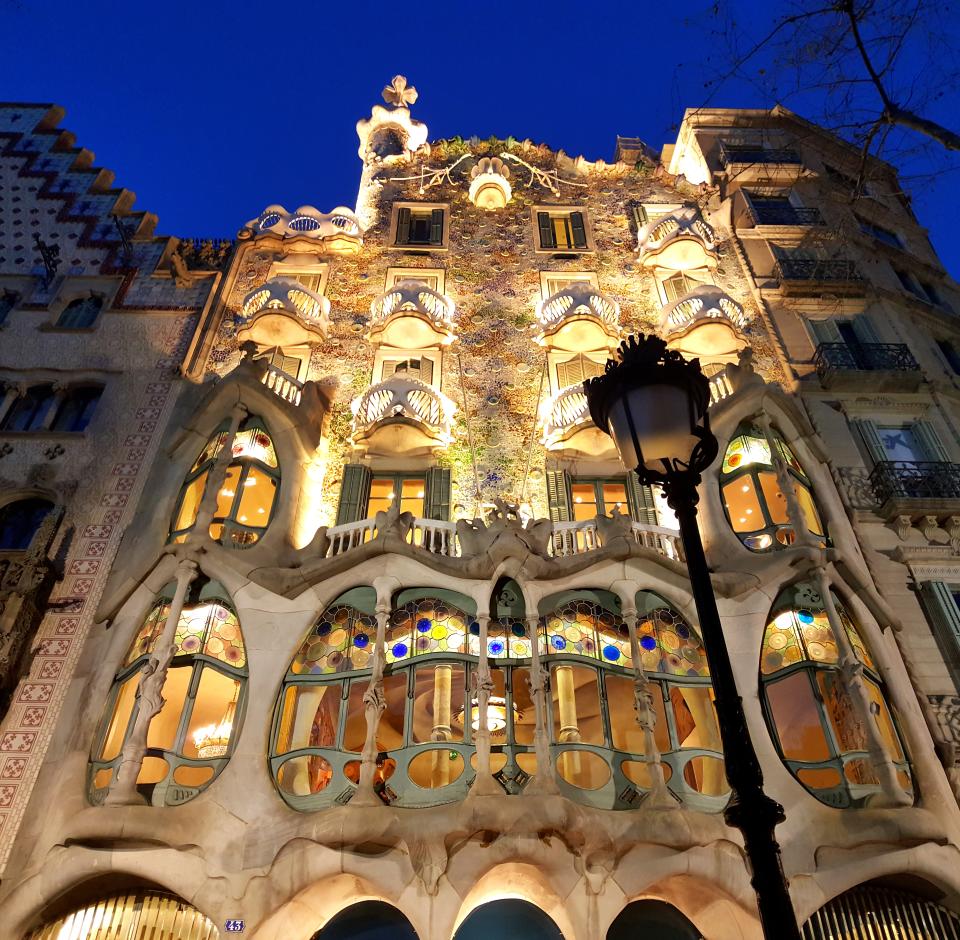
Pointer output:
354, 493
639, 215
558, 495
436, 503
863, 329
403, 226
937, 600
569, 372
825, 331
389, 368
640, 497
426, 373
929, 441
871, 440
436, 227
579, 231
546, 230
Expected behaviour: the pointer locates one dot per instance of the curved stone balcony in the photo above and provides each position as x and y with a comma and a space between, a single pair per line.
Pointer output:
578, 317
705, 322
567, 425
411, 316
678, 241
338, 231
402, 415
282, 312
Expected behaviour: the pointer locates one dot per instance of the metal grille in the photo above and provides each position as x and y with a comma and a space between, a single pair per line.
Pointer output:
864, 357
811, 269
913, 479
875, 912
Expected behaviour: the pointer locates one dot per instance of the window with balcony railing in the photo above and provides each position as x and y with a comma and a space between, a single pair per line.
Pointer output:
774, 210
756, 153
864, 357
816, 269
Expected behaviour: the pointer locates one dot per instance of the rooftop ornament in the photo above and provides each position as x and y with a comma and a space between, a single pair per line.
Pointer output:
282, 312
338, 232
411, 316
678, 241
489, 184
392, 132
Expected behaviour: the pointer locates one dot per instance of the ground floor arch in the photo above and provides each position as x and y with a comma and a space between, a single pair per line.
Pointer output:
654, 920
508, 917
368, 920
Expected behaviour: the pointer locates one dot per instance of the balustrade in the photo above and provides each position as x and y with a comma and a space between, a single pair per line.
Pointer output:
285, 386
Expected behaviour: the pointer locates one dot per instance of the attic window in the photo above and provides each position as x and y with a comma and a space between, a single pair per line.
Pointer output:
562, 230
419, 225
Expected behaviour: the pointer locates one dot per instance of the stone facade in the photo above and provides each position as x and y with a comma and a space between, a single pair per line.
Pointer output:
387, 406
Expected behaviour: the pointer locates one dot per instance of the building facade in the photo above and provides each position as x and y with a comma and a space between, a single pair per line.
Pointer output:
329, 607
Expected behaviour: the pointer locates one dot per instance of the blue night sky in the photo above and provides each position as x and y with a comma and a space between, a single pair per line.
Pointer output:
210, 111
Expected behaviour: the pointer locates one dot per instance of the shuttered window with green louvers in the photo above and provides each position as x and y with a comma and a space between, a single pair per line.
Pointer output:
561, 231
940, 603
437, 498
643, 508
354, 493
421, 227
558, 495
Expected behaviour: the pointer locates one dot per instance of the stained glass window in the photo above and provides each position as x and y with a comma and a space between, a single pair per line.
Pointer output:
341, 641
814, 721
426, 626
189, 740
753, 499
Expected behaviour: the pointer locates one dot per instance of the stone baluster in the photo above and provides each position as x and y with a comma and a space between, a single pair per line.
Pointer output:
851, 671
374, 703
544, 781
484, 785
123, 791
216, 478
659, 797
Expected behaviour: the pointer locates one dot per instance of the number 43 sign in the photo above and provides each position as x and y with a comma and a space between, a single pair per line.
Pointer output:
234, 926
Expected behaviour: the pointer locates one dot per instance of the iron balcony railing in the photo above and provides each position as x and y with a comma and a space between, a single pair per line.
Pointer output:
733, 154
913, 479
812, 269
786, 215
864, 357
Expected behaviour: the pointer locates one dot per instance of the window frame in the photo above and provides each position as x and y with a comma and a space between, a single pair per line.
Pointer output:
442, 245
398, 273
580, 277
298, 269
589, 245
700, 276
397, 477
58, 323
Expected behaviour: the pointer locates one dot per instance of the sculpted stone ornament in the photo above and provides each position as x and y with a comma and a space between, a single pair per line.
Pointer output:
615, 526
392, 522
399, 93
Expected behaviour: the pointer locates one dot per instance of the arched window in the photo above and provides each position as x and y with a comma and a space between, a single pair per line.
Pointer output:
367, 920
20, 521
508, 917
77, 409
755, 505
424, 748
808, 707
652, 918
29, 411
130, 914
247, 498
190, 740
599, 745
81, 313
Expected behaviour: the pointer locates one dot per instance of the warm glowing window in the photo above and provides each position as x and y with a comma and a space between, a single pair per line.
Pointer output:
246, 498
562, 230
592, 497
385, 491
190, 740
753, 498
812, 717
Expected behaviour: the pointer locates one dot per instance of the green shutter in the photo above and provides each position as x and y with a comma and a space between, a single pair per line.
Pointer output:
871, 440
403, 226
938, 602
436, 502
436, 227
929, 441
354, 493
546, 230
643, 508
579, 231
558, 495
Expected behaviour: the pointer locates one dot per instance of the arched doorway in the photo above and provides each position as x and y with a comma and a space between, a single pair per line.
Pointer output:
508, 919
652, 920
368, 920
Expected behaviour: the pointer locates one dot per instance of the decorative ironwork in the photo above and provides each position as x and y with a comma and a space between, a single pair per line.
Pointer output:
816, 269
732, 153
786, 215
914, 479
548, 179
51, 259
864, 357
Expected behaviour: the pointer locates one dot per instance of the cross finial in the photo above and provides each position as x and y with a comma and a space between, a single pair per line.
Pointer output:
399, 93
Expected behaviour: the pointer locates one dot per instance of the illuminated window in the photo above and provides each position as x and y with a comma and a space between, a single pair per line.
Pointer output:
552, 282
592, 497
562, 230
419, 225
190, 740
433, 278
80, 314
755, 505
246, 500
385, 490
809, 711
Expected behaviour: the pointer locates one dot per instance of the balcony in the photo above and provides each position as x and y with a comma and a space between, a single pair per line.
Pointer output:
578, 317
785, 215
282, 385
733, 155
283, 313
814, 275
909, 487
567, 425
705, 322
679, 241
411, 316
577, 538
432, 535
402, 415
337, 232
878, 366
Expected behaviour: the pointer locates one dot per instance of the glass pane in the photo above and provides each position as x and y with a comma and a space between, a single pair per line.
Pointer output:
583, 769
576, 705
331, 646
638, 772
824, 778
255, 443
796, 716
881, 714
189, 506
213, 448
615, 497
669, 645
382, 495
309, 773
163, 728
214, 714
311, 714
224, 639
355, 730
626, 733
435, 768
152, 770
900, 443
584, 497
706, 775
524, 721
694, 717
123, 706
438, 703
781, 644
847, 727
773, 495
427, 626
808, 509
390, 731
411, 497
742, 505
228, 492
146, 637
189, 776
744, 450
256, 499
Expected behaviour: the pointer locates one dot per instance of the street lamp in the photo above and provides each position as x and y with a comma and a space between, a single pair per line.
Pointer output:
653, 403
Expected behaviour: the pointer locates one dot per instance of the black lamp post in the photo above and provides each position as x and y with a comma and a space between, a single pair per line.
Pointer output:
653, 403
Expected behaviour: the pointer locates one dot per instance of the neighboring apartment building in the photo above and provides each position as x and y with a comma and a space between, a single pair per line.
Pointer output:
392, 640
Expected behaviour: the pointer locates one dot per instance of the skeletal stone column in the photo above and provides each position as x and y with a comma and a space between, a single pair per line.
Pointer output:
374, 703
150, 701
217, 476
544, 781
787, 485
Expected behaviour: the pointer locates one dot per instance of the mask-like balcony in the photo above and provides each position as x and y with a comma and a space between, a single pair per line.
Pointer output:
402, 415
878, 366
567, 425
679, 241
283, 312
579, 317
337, 232
705, 322
411, 316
